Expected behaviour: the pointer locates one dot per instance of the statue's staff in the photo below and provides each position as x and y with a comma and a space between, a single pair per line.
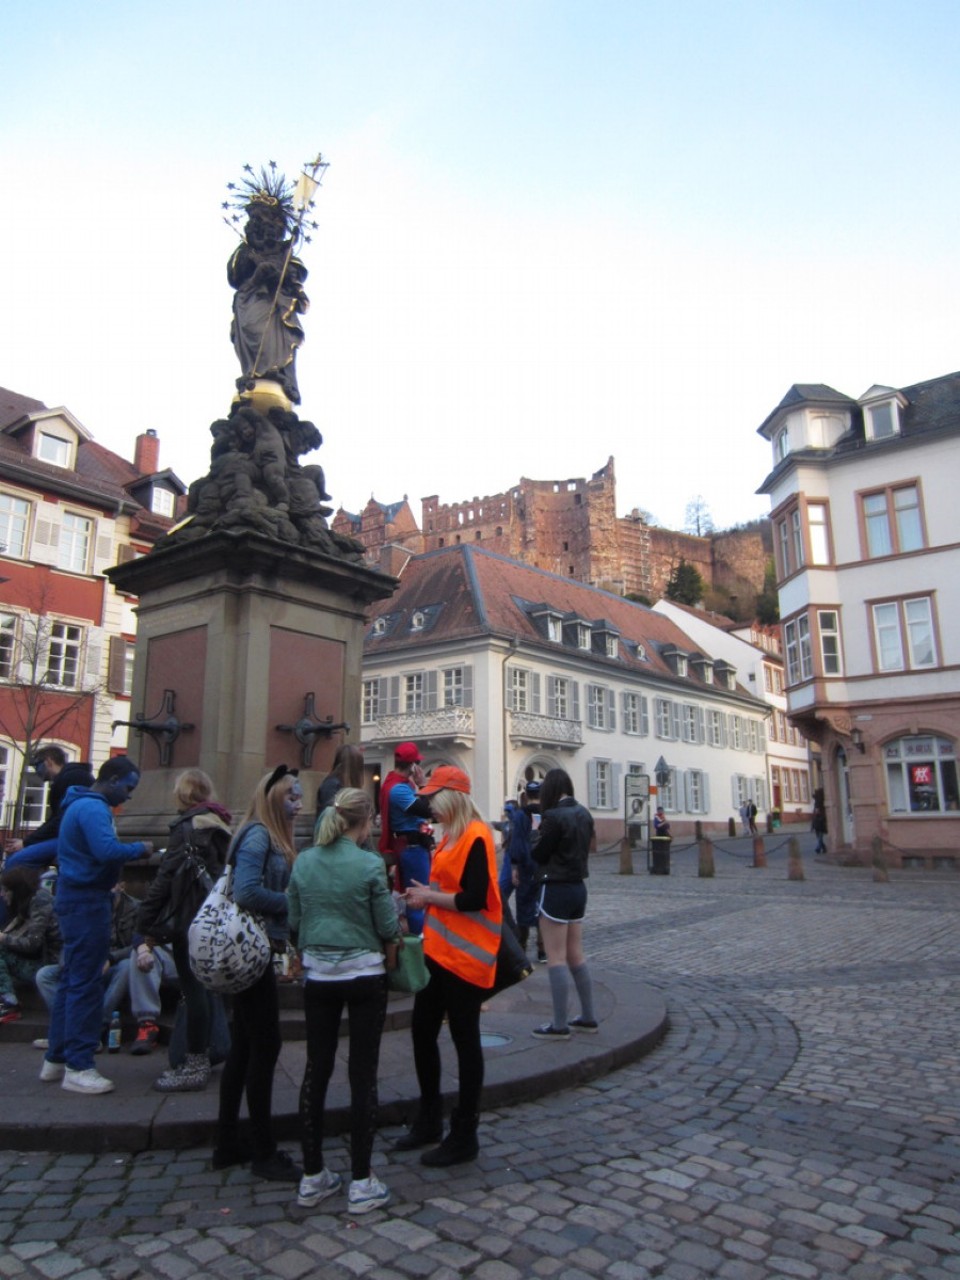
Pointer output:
303, 194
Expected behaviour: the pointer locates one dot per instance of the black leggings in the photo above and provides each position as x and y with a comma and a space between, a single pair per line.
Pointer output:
323, 1002
250, 1064
446, 995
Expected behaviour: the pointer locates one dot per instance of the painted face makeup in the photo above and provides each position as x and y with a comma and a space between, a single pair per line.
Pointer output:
293, 801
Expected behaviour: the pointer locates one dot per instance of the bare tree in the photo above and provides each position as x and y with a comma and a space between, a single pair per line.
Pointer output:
697, 518
46, 692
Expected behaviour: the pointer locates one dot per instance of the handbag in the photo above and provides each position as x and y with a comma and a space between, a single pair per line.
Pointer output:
411, 974
229, 948
512, 962
189, 885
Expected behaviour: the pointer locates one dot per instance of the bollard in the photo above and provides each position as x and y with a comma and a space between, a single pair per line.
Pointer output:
706, 869
759, 853
794, 861
626, 861
880, 873
731, 827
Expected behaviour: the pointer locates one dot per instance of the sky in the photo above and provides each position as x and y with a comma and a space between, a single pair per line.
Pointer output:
551, 231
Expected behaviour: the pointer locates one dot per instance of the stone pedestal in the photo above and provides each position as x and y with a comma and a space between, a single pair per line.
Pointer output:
240, 629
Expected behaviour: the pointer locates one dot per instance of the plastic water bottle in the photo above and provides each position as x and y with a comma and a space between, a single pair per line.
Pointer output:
113, 1035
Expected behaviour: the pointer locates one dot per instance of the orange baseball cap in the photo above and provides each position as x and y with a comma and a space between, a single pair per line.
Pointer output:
446, 777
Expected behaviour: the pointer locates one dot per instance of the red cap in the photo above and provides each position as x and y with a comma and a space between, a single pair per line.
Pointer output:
407, 753
446, 778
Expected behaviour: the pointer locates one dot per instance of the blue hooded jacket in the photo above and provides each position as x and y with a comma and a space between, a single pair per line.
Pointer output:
89, 852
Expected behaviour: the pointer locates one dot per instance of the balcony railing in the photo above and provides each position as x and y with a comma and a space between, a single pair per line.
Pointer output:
445, 722
525, 726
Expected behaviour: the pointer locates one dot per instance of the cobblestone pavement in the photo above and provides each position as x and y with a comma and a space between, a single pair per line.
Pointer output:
801, 1119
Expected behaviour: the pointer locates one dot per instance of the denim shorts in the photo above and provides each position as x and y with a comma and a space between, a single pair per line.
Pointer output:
566, 903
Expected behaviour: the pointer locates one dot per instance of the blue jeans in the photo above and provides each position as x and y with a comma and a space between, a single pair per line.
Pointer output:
114, 984
41, 855
78, 1006
414, 865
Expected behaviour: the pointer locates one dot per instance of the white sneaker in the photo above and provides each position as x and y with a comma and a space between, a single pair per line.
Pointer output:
89, 1081
366, 1194
315, 1187
41, 1044
51, 1070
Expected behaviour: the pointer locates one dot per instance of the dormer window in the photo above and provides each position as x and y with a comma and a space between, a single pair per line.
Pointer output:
781, 445
681, 665
583, 636
162, 502
554, 628
55, 449
611, 644
379, 627
881, 413
417, 621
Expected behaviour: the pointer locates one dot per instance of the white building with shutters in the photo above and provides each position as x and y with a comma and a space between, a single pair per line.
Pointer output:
507, 671
69, 509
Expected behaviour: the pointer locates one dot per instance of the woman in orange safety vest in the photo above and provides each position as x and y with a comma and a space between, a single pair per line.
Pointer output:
461, 936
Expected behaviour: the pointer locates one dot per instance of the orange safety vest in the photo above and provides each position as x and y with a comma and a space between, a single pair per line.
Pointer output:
465, 942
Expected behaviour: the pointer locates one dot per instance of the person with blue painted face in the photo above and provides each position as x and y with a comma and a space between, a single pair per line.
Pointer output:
90, 856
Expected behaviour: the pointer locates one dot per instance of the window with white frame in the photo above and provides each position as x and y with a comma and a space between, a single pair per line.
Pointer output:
922, 775
162, 501
413, 691
603, 784
371, 701
892, 520
736, 732
740, 790
904, 634
636, 718
882, 421
758, 793
554, 628
668, 793
697, 795
667, 723
453, 690
797, 637
611, 644
53, 449
518, 689
559, 703
14, 522
6, 789
63, 655
690, 723
717, 736
753, 732
73, 549
828, 624
600, 707
8, 645
781, 445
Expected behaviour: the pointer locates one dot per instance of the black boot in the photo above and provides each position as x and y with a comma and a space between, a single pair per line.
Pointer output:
427, 1128
460, 1144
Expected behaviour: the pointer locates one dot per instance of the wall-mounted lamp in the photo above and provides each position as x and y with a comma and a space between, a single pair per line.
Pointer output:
856, 737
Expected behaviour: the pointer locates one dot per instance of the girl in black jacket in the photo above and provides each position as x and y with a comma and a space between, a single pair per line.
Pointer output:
566, 838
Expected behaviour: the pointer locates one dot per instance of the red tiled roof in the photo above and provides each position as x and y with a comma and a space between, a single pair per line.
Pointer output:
95, 462
479, 592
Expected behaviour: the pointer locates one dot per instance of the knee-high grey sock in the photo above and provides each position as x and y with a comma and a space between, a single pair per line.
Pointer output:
581, 980
559, 986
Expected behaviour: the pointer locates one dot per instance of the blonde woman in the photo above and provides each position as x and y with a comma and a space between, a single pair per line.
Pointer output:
342, 916
201, 827
461, 935
262, 853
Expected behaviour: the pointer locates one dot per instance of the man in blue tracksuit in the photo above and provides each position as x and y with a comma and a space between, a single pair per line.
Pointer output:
90, 856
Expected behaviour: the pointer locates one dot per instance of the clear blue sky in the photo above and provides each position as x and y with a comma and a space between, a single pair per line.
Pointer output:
550, 231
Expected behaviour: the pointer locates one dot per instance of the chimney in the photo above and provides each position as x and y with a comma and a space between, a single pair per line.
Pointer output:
146, 457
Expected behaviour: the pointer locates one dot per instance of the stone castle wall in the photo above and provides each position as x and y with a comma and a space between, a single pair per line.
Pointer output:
571, 528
